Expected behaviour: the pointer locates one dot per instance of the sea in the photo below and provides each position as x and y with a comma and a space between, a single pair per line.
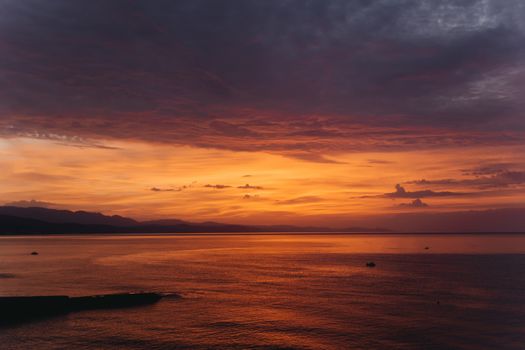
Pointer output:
274, 291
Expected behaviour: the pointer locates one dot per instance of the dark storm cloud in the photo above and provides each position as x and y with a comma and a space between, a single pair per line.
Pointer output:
233, 130
313, 77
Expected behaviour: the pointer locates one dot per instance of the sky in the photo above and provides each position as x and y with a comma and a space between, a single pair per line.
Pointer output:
321, 112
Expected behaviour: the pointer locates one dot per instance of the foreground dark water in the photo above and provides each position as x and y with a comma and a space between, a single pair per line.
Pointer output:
275, 291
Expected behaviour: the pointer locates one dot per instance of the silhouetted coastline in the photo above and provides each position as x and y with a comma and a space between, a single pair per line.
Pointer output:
44, 221
30, 221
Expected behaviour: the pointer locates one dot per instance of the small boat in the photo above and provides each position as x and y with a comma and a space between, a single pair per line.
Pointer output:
34, 253
370, 264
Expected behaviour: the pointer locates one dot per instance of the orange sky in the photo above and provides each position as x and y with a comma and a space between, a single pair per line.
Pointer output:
120, 178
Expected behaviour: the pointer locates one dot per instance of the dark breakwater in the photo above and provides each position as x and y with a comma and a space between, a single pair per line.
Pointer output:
20, 309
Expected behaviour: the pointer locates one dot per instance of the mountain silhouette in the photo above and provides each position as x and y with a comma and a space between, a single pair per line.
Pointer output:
66, 216
17, 220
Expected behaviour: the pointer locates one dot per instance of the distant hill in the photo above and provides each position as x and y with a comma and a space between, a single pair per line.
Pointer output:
17, 225
66, 216
16, 220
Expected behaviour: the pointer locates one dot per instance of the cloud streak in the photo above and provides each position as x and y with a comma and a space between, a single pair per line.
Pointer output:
250, 187
501, 179
401, 192
31, 204
217, 187
416, 203
300, 200
156, 189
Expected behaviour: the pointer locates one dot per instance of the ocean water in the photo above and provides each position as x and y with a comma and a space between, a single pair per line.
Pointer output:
274, 291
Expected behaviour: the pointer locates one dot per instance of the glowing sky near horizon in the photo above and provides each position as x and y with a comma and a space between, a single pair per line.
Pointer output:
149, 181
301, 112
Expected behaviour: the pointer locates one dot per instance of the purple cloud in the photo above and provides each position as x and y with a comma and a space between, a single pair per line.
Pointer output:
416, 203
156, 189
250, 187
417, 75
500, 179
31, 204
300, 200
218, 187
401, 192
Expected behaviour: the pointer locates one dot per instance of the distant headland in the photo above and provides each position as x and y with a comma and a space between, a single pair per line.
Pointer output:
35, 220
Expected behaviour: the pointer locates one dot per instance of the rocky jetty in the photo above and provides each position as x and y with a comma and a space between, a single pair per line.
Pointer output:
20, 309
